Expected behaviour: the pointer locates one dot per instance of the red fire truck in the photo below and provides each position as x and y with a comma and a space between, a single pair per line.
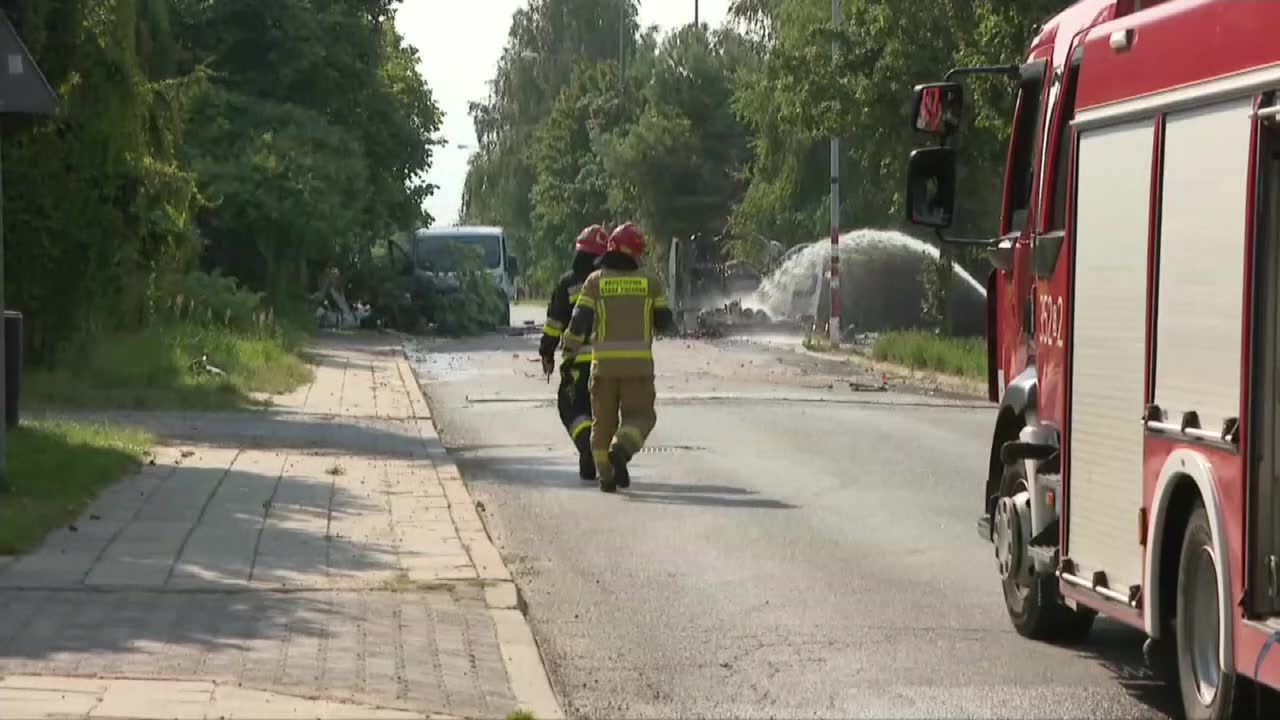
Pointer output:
1134, 332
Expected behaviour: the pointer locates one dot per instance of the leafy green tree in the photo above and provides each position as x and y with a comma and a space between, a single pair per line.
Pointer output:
547, 41
680, 169
98, 209
571, 186
332, 77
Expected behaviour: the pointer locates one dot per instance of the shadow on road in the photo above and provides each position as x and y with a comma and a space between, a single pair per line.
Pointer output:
1118, 648
556, 472
335, 435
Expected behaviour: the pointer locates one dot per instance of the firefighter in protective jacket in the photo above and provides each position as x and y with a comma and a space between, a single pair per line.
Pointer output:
620, 308
574, 396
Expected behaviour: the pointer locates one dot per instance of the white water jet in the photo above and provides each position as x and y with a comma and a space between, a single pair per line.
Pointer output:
793, 288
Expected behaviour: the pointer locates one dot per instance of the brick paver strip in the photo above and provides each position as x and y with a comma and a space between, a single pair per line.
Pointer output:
329, 549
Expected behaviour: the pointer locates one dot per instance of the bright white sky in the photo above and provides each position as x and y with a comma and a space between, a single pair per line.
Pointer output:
460, 42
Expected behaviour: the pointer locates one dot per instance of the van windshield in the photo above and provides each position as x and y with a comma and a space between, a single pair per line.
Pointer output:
443, 253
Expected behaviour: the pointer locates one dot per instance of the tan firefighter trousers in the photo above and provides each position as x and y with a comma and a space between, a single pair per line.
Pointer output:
622, 414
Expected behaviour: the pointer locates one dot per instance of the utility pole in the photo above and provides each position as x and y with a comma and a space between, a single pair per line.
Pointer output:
695, 12
835, 197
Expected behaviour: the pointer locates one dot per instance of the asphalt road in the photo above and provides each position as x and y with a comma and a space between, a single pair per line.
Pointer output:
790, 547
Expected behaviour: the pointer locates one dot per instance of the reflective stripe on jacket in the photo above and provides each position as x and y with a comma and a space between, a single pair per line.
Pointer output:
559, 311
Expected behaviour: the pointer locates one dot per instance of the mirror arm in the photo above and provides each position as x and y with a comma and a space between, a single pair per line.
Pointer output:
943, 239
1011, 70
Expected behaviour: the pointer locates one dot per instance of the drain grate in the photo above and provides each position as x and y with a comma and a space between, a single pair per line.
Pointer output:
669, 449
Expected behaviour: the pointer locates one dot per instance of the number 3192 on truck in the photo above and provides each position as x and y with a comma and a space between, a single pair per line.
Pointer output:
1134, 332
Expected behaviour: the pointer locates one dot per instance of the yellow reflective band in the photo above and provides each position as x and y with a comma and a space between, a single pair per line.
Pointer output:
602, 323
600, 455
585, 301
648, 319
623, 354
584, 358
660, 303
554, 323
552, 331
635, 436
616, 286
570, 337
581, 428
573, 299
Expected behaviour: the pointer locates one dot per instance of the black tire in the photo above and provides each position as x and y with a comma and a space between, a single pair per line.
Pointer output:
1198, 581
1037, 612
504, 315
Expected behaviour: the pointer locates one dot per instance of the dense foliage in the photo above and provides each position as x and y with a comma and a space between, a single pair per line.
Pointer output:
268, 140
707, 130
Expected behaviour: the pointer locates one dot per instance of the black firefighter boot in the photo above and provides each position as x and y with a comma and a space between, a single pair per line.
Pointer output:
618, 457
586, 463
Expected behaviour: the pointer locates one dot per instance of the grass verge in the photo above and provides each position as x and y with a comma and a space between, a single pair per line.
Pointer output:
151, 370
921, 350
55, 470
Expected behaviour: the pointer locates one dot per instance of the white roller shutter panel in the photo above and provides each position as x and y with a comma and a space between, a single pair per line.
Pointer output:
1108, 352
1202, 246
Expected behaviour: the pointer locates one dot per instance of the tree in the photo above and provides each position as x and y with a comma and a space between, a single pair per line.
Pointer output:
571, 186
98, 209
280, 133
331, 77
680, 169
547, 41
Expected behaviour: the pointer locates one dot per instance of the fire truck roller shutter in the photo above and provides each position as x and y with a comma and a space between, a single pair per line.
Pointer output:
1202, 246
1199, 302
1108, 353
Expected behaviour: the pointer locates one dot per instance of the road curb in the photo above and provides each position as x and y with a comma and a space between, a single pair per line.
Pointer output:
526, 671
912, 379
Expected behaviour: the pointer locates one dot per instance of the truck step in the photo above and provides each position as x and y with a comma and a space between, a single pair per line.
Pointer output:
1047, 538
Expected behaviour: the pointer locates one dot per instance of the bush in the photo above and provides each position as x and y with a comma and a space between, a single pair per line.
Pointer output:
217, 299
411, 302
152, 369
469, 309
922, 350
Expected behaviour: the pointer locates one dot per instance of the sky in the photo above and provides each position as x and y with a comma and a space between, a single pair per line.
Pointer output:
460, 41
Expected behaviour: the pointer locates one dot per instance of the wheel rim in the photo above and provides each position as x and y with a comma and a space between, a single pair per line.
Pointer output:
1203, 627
1007, 534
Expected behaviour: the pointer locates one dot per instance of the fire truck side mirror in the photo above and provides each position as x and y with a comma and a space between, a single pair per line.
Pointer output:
936, 108
931, 187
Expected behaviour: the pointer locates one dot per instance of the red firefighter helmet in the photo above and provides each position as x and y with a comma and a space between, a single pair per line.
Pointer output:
627, 239
592, 240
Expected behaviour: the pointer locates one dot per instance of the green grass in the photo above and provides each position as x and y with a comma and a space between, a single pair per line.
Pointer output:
55, 470
521, 715
922, 350
150, 370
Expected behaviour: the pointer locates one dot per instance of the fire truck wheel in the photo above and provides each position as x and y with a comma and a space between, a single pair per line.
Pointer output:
1037, 610
1207, 689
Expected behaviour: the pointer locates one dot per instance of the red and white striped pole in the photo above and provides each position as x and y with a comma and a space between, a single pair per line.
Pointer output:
835, 200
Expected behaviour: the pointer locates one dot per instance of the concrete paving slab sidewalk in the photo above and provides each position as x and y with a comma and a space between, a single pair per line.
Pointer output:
321, 553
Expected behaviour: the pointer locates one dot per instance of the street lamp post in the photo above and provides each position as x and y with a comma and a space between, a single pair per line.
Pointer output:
835, 199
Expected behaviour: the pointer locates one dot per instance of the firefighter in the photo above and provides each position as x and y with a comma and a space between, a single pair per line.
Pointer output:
574, 395
619, 309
